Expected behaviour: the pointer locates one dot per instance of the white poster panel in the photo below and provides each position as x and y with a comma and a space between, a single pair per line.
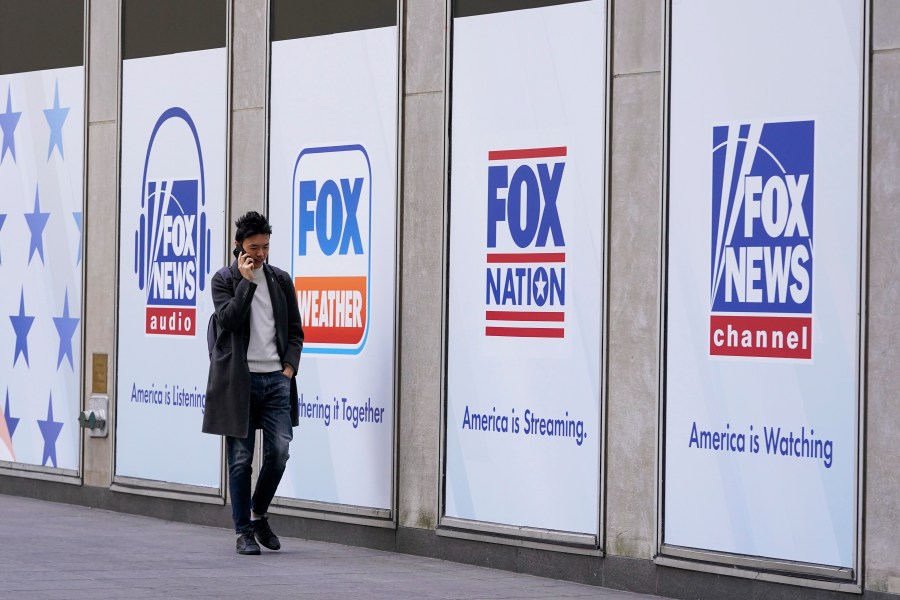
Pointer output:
763, 278
333, 205
41, 199
526, 267
172, 228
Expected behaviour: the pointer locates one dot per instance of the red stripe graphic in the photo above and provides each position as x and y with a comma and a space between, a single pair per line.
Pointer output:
527, 153
532, 332
513, 315
528, 257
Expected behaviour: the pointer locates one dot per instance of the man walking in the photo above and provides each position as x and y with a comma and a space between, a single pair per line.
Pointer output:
252, 376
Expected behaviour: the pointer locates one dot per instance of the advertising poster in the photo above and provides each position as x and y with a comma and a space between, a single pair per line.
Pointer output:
41, 215
333, 205
172, 227
762, 320
526, 266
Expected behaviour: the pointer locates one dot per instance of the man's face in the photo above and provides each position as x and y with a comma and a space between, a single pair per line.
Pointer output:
257, 248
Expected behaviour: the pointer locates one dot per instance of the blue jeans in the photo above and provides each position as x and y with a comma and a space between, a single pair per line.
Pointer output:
270, 410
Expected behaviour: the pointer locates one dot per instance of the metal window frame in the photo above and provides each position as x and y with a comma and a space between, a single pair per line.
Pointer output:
40, 472
723, 563
136, 485
331, 511
501, 533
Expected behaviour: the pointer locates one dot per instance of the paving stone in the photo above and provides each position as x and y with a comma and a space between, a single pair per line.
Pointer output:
58, 551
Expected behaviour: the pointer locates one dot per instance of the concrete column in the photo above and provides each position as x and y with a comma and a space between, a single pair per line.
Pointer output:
249, 49
882, 477
247, 161
422, 260
633, 279
101, 220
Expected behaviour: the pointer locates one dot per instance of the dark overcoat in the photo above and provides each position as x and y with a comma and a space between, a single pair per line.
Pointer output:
227, 409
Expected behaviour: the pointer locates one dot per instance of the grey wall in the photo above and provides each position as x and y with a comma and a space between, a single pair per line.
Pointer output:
634, 216
634, 267
882, 473
249, 95
101, 218
421, 271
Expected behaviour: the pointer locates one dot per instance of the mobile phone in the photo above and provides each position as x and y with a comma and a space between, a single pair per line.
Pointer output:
236, 251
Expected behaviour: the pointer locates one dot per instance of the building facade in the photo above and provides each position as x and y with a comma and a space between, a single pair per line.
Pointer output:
599, 290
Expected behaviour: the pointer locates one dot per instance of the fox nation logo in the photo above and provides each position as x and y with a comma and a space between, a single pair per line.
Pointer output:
171, 244
331, 256
761, 284
525, 279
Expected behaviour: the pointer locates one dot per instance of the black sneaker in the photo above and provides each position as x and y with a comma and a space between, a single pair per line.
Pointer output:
264, 534
246, 544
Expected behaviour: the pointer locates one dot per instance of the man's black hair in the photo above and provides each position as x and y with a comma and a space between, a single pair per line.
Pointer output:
250, 224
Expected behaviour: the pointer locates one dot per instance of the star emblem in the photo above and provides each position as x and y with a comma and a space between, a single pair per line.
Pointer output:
11, 422
65, 327
539, 287
50, 431
8, 122
56, 118
77, 217
36, 223
21, 325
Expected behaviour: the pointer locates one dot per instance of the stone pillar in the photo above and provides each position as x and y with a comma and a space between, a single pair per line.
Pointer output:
633, 277
101, 250
421, 260
882, 476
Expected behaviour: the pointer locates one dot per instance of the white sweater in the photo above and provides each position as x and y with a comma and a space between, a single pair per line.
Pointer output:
262, 353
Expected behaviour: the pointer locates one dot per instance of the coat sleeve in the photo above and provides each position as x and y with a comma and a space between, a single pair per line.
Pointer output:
232, 304
295, 328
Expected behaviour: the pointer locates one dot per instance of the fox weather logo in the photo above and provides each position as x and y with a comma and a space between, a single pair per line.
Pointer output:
171, 244
331, 259
761, 271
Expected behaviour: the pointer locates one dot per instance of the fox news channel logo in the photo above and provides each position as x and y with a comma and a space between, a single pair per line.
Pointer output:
762, 240
171, 244
331, 257
525, 276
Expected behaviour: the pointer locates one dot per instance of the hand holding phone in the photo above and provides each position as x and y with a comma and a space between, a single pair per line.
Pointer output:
244, 266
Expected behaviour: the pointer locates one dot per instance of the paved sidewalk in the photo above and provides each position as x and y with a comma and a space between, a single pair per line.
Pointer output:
61, 551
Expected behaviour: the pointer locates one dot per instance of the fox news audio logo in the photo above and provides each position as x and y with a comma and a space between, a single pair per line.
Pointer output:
332, 207
171, 244
762, 240
525, 276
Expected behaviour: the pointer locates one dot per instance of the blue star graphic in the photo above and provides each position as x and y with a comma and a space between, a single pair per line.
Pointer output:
21, 325
56, 117
8, 122
11, 422
50, 431
2, 219
77, 216
36, 223
65, 327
